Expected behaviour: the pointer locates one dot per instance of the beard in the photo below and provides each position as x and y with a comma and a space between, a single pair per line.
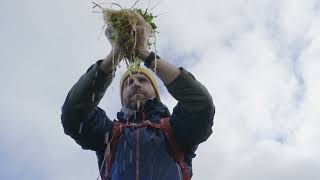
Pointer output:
136, 102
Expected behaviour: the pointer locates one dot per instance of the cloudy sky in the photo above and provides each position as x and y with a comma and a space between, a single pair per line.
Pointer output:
259, 60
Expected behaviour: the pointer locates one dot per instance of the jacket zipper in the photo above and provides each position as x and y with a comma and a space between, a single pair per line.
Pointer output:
179, 171
137, 153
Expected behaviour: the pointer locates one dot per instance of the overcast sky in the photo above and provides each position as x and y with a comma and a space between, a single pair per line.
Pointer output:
259, 60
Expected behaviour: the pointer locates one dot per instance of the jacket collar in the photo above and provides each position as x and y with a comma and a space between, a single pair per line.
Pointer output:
153, 110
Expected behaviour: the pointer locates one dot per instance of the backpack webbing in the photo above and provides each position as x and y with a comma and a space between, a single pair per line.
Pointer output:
176, 152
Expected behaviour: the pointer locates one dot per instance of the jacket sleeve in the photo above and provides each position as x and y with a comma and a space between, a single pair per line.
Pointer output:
192, 117
81, 119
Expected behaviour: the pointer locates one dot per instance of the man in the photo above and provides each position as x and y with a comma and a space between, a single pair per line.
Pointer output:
146, 142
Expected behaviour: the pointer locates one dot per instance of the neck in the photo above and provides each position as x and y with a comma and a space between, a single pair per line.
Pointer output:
132, 115
135, 106
150, 108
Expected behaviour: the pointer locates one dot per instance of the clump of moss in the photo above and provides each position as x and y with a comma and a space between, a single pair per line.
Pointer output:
121, 28
149, 18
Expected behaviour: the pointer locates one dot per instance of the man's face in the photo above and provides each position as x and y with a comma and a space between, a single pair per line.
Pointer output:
137, 90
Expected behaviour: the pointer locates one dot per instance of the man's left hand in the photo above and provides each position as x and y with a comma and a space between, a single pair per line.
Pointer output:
143, 30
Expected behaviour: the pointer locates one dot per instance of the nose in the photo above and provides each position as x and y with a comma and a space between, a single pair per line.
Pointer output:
136, 83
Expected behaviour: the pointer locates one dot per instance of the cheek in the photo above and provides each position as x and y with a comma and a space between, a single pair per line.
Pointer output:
125, 94
151, 91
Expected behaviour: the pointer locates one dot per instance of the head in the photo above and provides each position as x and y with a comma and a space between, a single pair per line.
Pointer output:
136, 87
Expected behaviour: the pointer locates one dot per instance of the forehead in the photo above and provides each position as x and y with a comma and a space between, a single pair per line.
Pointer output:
137, 76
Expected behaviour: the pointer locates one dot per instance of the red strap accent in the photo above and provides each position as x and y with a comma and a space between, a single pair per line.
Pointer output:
177, 152
138, 154
116, 133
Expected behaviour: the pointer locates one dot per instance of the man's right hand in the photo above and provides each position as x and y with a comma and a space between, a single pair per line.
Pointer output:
114, 57
116, 48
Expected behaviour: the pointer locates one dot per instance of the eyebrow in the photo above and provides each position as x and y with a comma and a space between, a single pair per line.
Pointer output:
142, 77
139, 76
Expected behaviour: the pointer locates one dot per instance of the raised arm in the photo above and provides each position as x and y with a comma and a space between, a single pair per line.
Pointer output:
81, 117
192, 118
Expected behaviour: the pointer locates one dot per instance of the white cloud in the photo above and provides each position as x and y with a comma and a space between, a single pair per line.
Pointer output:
258, 59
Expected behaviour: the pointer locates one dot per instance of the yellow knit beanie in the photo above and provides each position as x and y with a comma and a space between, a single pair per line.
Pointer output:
145, 72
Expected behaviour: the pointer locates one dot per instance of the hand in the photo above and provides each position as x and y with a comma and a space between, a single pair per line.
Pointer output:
143, 30
116, 48
141, 49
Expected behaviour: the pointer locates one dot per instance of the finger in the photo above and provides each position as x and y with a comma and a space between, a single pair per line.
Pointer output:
141, 20
107, 32
143, 30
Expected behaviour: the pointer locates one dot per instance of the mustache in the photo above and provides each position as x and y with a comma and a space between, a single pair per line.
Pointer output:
138, 91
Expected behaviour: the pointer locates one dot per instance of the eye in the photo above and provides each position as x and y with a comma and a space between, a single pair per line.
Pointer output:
143, 80
129, 82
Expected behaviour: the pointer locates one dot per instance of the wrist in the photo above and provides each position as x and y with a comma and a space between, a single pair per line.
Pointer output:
149, 61
115, 51
143, 54
116, 55
109, 64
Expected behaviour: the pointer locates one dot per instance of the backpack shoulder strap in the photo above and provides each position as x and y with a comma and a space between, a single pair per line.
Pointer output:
177, 152
116, 132
165, 126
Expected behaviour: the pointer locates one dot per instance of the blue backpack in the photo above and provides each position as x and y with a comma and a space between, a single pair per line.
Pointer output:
164, 125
